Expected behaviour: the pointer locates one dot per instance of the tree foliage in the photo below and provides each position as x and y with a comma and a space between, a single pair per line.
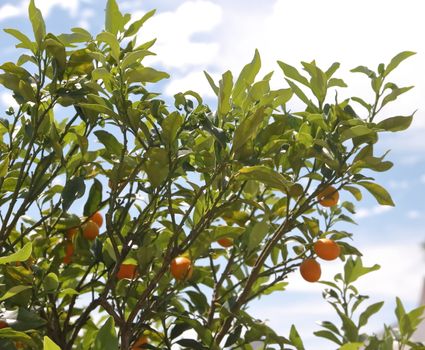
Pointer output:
91, 134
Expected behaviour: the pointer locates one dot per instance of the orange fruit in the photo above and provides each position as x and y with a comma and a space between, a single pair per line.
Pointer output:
3, 324
127, 271
328, 197
71, 232
310, 270
69, 251
225, 242
97, 218
138, 344
90, 230
181, 268
327, 249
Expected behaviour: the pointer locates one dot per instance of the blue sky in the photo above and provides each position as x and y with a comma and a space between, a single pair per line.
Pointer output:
194, 35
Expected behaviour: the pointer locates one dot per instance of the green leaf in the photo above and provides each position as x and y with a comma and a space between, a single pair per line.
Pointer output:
292, 73
353, 269
73, 190
394, 94
14, 291
212, 83
111, 144
256, 234
4, 166
157, 165
380, 193
114, 21
355, 131
354, 191
106, 338
95, 198
99, 108
332, 69
37, 21
327, 335
264, 175
191, 344
318, 81
394, 124
12, 334
112, 42
145, 75
170, 127
50, 282
225, 90
135, 26
351, 346
370, 311
22, 254
26, 43
49, 344
295, 339
133, 57
364, 70
396, 60
297, 91
246, 78
247, 129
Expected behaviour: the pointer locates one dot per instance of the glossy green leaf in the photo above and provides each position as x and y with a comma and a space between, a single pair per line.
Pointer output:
110, 142
21, 255
292, 73
73, 190
353, 269
396, 60
95, 198
394, 124
247, 129
112, 42
370, 311
145, 75
212, 83
170, 127
295, 339
246, 78
37, 21
14, 291
49, 344
355, 131
381, 194
114, 21
26, 43
224, 93
351, 346
265, 175
106, 338
157, 165
136, 25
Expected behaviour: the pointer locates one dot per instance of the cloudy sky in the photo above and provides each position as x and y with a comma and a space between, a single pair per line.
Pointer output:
197, 35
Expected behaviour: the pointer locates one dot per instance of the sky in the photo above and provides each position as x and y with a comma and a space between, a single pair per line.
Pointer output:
197, 35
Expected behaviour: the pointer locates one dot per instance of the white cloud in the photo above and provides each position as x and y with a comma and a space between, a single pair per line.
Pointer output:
175, 30
7, 100
193, 81
423, 178
414, 214
368, 212
11, 10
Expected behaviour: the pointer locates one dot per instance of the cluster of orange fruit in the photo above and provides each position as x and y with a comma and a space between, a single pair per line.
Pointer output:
324, 248
90, 230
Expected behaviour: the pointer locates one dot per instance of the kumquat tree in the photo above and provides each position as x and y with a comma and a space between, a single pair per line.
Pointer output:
127, 222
